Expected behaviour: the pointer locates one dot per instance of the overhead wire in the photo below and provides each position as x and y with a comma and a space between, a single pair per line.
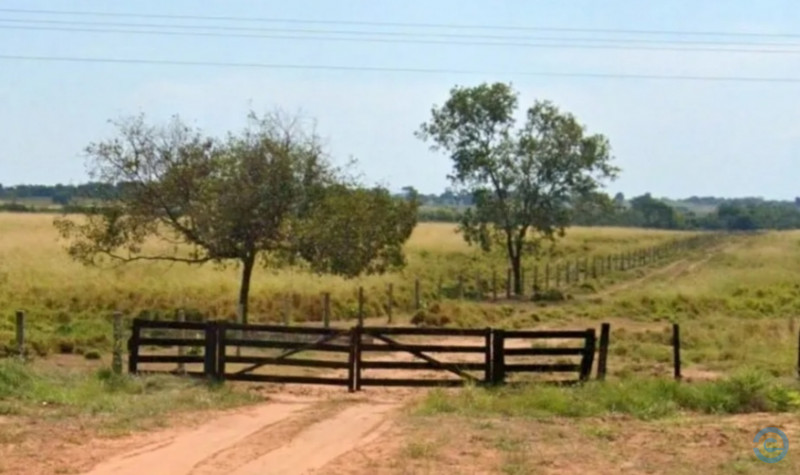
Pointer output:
315, 35
346, 68
459, 26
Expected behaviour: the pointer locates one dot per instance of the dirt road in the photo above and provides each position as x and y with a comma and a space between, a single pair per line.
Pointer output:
290, 435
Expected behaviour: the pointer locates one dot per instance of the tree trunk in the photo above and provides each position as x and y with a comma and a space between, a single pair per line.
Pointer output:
516, 271
515, 259
244, 291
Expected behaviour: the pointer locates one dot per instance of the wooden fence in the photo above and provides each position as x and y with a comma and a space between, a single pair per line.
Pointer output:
356, 357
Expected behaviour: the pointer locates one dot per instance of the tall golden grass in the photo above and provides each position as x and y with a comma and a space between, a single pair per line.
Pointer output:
37, 275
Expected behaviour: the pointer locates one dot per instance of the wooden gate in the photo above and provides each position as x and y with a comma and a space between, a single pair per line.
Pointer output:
419, 359
191, 346
537, 354
281, 354
363, 356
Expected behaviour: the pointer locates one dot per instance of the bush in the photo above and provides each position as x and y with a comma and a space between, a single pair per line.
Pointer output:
92, 355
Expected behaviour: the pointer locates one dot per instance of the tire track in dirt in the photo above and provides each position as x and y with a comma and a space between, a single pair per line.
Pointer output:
289, 435
671, 272
184, 451
323, 442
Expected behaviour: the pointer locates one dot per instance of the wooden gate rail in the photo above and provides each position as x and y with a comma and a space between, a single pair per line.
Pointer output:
420, 352
219, 337
136, 341
586, 351
322, 338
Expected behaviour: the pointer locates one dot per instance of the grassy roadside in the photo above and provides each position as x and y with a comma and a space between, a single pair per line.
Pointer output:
645, 399
100, 400
622, 426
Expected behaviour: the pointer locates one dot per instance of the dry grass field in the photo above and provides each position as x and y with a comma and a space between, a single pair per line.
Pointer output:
737, 301
69, 305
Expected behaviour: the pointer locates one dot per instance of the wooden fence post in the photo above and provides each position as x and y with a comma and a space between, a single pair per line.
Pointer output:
417, 301
20, 327
221, 336
210, 353
357, 358
240, 334
326, 309
676, 350
351, 360
133, 347
360, 306
487, 360
116, 359
498, 357
390, 302
181, 317
602, 356
588, 354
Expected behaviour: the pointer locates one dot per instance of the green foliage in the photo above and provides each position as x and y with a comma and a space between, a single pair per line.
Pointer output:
267, 192
355, 231
522, 180
642, 398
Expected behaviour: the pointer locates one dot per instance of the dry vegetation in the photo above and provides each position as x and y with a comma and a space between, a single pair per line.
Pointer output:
738, 304
69, 305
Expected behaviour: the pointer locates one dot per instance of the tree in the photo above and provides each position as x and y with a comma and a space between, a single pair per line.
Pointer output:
522, 180
254, 196
652, 213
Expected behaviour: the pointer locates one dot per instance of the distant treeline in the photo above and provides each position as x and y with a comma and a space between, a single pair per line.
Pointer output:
710, 213
60, 194
645, 211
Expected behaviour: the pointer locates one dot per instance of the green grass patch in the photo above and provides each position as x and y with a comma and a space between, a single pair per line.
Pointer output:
645, 399
117, 403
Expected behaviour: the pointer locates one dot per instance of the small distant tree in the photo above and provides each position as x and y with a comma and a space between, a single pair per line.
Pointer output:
266, 194
522, 180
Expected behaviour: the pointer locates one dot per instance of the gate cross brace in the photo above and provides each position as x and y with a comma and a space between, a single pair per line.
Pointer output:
294, 351
423, 356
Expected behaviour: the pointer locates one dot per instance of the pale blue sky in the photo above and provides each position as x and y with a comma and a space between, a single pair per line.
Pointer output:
672, 138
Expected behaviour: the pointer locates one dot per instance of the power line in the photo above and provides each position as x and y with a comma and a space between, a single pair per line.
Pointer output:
614, 31
168, 29
402, 34
403, 41
343, 68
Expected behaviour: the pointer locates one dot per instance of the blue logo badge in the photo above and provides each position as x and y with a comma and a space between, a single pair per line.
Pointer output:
770, 452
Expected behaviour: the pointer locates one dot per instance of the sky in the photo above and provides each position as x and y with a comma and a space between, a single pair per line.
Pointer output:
672, 138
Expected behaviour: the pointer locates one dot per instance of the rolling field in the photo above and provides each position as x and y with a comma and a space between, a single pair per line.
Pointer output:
69, 305
737, 301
